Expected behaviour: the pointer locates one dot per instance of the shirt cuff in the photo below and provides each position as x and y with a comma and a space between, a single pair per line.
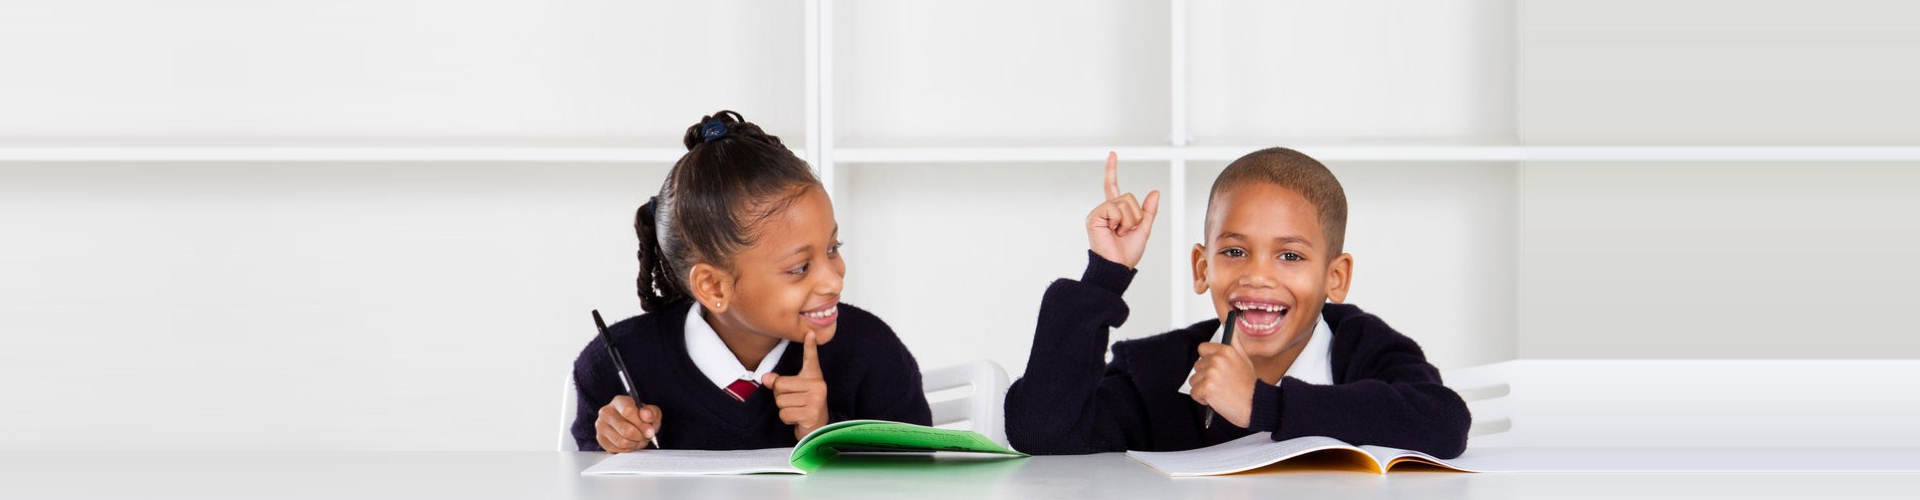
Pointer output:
1266, 408
1107, 274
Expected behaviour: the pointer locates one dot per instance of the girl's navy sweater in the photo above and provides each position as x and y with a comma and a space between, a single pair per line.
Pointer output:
869, 375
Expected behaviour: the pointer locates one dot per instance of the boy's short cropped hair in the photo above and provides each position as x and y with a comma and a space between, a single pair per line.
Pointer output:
1295, 171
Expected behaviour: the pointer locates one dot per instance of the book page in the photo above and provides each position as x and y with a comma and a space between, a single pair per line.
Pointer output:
1239, 455
1388, 457
695, 462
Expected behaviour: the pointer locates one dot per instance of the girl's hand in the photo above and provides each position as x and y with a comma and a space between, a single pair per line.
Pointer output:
802, 397
1223, 379
1117, 229
624, 427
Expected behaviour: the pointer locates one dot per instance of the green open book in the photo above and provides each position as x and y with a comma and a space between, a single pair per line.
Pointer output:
813, 450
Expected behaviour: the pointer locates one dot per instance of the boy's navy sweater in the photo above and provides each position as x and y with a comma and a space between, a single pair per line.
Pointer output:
869, 375
1383, 393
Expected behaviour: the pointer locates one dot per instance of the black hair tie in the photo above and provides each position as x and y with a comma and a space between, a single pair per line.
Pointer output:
712, 130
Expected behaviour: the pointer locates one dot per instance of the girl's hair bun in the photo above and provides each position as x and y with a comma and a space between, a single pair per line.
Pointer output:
724, 126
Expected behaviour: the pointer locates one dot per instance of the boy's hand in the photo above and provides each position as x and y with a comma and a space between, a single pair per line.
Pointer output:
1223, 379
802, 397
1117, 229
624, 427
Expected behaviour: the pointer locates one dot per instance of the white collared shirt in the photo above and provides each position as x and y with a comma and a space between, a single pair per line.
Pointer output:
711, 356
1314, 366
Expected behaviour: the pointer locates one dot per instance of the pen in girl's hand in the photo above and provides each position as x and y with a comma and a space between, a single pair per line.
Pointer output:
626, 379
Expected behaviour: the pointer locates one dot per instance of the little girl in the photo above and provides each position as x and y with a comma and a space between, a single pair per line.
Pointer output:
744, 341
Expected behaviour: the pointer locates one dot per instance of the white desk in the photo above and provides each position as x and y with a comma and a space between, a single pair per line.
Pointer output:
555, 475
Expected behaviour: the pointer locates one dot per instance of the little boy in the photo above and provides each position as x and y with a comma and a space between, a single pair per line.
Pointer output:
1298, 365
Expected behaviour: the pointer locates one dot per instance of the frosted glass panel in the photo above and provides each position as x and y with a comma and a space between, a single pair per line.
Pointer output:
1719, 261
1719, 72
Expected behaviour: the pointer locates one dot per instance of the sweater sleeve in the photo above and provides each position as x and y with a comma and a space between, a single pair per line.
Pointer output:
1396, 400
589, 395
1066, 402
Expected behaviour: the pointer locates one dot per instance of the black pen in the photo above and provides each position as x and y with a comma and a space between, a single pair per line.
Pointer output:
1233, 320
626, 379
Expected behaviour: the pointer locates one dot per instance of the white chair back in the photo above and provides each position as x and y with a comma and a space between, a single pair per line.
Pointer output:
1485, 389
969, 396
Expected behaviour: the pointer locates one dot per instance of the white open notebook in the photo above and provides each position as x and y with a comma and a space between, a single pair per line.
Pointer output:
1260, 450
813, 450
697, 462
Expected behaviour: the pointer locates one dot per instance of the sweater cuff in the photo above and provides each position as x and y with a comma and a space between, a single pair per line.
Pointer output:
1107, 274
1266, 408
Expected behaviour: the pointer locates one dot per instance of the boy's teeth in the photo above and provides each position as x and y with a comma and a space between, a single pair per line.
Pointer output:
1270, 324
1246, 321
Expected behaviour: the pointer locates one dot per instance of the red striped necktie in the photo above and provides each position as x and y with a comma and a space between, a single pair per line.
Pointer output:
742, 388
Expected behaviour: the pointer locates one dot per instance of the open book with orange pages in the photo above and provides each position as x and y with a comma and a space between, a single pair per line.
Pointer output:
1260, 450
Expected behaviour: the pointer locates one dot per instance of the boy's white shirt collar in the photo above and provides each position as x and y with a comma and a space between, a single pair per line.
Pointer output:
1314, 366
711, 356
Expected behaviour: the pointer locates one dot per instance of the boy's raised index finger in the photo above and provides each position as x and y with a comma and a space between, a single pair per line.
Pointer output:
1113, 175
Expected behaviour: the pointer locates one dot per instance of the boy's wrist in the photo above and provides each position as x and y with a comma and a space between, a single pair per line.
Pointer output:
1266, 408
1106, 274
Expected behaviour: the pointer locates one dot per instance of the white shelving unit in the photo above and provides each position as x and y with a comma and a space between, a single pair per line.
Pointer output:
411, 189
821, 150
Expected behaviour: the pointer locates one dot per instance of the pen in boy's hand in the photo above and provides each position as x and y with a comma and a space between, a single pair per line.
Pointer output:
620, 365
1233, 321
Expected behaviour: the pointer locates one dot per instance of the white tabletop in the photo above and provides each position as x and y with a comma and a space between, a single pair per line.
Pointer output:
555, 475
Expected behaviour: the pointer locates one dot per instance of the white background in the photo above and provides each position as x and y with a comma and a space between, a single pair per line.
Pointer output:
280, 303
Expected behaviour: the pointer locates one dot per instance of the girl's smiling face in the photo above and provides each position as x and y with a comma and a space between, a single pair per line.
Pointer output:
1267, 257
788, 281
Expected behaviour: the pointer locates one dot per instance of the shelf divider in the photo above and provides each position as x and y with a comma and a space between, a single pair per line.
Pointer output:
1173, 203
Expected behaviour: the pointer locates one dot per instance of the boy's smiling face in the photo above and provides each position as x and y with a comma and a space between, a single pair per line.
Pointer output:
1267, 256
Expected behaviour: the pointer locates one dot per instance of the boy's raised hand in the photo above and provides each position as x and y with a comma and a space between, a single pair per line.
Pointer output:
1223, 379
1117, 229
624, 427
802, 397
